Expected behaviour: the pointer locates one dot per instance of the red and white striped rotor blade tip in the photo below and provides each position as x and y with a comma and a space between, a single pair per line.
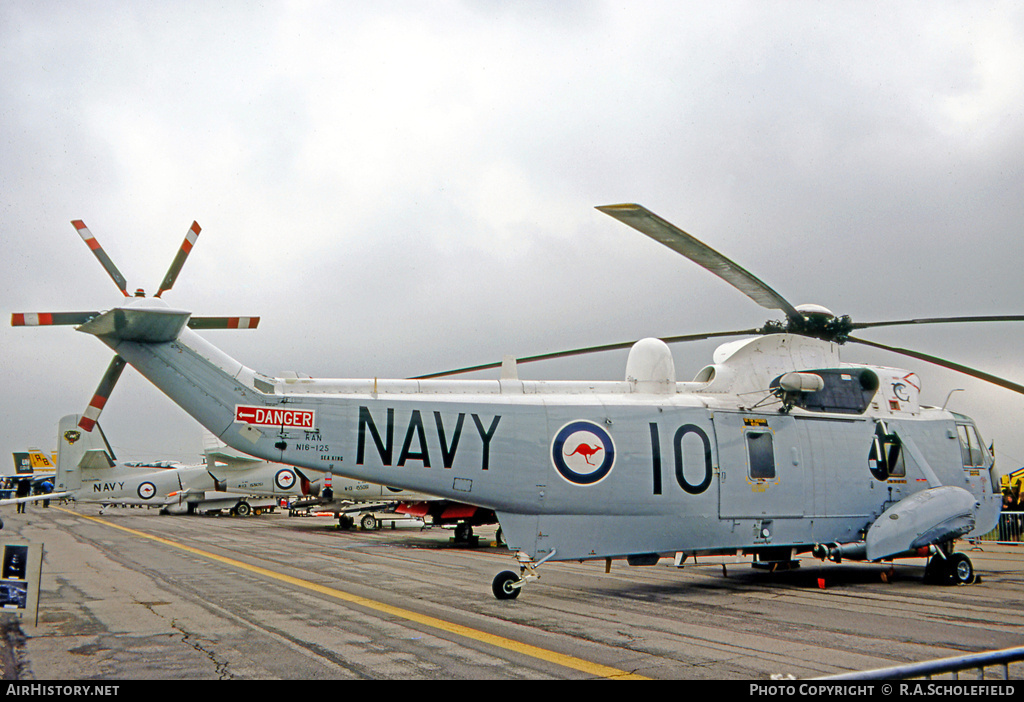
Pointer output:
223, 322
45, 319
179, 258
101, 256
99, 399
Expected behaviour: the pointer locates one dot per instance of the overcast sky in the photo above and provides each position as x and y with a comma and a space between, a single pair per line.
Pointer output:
403, 187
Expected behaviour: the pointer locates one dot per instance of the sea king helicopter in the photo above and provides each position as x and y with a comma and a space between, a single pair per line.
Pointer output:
777, 448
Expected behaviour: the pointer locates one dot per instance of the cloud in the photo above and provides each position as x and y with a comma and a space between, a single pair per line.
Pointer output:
398, 188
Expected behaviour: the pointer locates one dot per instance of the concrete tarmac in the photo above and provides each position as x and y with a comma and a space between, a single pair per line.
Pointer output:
134, 595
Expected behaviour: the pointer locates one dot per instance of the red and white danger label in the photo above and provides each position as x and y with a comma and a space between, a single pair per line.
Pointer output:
276, 417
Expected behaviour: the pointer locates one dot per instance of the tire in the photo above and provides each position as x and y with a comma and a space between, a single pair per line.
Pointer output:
503, 585
242, 509
935, 573
368, 522
961, 570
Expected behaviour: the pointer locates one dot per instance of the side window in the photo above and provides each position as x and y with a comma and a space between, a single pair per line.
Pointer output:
894, 454
978, 450
885, 459
761, 452
965, 444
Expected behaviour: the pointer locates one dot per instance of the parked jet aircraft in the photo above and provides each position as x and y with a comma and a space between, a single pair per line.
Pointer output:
88, 471
35, 466
777, 448
353, 500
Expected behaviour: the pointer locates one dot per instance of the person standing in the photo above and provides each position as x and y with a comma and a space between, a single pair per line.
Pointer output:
24, 489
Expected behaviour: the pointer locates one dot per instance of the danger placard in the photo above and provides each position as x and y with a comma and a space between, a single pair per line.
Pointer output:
276, 417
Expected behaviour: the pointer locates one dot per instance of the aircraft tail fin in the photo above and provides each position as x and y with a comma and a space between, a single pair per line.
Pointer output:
78, 450
39, 460
32, 461
21, 463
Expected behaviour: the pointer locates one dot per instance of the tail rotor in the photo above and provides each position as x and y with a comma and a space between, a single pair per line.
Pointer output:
134, 320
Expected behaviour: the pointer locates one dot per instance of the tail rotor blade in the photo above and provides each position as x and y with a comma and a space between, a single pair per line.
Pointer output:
44, 319
101, 255
179, 258
223, 322
99, 399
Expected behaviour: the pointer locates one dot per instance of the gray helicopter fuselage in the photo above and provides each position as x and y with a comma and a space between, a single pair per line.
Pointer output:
604, 469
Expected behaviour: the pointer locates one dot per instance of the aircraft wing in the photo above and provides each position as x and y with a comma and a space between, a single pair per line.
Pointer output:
231, 462
217, 452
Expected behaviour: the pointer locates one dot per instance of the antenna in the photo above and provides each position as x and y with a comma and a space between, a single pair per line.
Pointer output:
950, 395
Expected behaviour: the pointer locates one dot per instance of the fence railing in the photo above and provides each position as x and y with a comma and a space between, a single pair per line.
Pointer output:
998, 661
1009, 531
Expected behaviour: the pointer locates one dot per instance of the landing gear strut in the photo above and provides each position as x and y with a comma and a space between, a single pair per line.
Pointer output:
506, 584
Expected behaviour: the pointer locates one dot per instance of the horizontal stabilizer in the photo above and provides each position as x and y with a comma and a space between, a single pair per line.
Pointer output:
145, 324
95, 459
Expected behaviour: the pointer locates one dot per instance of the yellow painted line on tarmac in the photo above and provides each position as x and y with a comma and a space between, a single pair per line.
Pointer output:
572, 662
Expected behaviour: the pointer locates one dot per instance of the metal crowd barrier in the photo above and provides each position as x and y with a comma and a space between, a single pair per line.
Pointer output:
978, 662
1009, 531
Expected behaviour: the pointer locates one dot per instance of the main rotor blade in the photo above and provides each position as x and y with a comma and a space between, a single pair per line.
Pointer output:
588, 350
981, 375
940, 320
99, 398
43, 319
101, 255
646, 222
179, 258
223, 322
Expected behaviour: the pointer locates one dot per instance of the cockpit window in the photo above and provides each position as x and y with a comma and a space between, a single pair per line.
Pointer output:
972, 449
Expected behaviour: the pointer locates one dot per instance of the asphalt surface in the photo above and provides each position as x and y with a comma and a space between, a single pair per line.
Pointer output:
133, 595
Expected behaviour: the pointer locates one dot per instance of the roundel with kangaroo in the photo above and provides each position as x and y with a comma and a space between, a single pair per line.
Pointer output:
583, 452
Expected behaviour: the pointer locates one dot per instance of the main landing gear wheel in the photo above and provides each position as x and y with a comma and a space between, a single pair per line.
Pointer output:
961, 570
506, 585
242, 509
368, 522
954, 569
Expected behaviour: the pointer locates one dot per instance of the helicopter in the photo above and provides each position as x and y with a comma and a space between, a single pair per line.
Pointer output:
777, 448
